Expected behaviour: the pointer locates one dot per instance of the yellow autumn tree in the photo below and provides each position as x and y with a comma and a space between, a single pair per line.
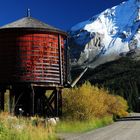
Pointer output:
87, 102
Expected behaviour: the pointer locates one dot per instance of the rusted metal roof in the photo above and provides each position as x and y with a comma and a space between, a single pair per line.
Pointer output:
32, 23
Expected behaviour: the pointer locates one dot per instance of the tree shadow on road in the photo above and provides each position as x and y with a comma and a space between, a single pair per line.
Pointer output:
130, 118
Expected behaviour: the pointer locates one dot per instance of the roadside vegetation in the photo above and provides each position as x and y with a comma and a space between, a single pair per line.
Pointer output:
85, 108
88, 107
76, 126
13, 128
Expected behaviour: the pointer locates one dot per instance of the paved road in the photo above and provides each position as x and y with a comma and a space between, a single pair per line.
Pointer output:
124, 129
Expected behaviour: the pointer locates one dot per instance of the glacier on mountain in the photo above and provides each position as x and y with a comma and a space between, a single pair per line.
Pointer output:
106, 36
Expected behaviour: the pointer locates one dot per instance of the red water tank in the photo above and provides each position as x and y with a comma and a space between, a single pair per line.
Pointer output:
32, 52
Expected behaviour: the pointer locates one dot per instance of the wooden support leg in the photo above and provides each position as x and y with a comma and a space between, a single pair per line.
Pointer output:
12, 102
2, 100
2, 91
32, 101
58, 103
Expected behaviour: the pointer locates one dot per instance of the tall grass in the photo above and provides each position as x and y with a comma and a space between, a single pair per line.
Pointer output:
13, 128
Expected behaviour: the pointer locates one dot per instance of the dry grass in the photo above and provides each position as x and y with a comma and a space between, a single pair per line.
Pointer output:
13, 128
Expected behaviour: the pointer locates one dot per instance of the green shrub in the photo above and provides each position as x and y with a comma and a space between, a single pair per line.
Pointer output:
88, 102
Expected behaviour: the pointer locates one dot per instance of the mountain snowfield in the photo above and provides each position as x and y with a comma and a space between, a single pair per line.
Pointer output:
107, 36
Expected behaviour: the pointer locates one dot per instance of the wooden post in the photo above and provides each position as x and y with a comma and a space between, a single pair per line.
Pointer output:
2, 91
58, 103
12, 102
2, 100
32, 101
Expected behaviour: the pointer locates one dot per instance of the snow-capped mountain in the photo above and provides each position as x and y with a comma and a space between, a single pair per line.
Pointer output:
107, 36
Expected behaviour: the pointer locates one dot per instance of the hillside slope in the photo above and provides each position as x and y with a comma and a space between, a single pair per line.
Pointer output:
121, 76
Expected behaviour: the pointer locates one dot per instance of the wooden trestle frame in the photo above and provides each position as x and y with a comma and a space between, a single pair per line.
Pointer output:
29, 100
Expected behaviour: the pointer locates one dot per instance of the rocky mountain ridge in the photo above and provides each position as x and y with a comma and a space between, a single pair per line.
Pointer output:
107, 36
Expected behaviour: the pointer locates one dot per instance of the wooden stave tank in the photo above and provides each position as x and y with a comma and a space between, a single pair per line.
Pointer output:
24, 53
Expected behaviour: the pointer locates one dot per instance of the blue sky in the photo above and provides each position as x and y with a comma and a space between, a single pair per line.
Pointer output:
62, 14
